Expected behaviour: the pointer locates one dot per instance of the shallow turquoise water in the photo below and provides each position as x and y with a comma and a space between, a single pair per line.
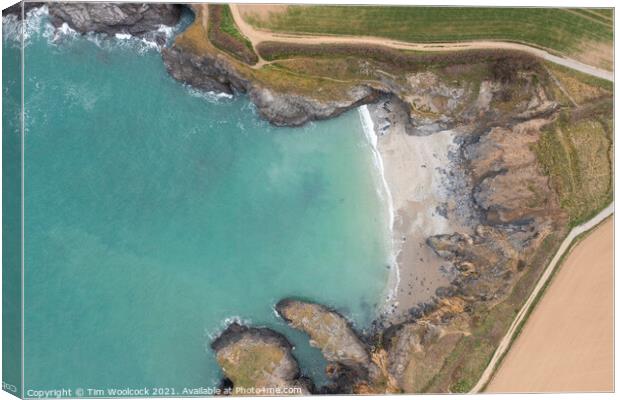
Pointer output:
154, 213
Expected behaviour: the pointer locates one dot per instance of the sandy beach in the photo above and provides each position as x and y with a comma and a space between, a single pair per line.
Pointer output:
567, 343
416, 171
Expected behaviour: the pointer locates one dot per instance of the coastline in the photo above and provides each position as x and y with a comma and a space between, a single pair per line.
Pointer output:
385, 194
415, 171
422, 188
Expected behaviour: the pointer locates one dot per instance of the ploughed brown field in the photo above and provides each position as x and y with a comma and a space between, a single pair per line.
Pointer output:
567, 343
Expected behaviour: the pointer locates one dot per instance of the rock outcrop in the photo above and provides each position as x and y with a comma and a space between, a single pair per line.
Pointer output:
328, 330
215, 72
415, 351
112, 18
354, 366
293, 110
256, 359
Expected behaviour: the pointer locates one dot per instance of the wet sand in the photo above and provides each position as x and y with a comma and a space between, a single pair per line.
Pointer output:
415, 171
567, 343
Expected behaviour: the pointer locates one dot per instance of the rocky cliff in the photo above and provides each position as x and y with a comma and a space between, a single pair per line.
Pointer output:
212, 71
112, 18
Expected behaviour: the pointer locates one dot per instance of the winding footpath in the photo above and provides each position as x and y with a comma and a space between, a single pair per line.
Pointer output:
257, 36
506, 341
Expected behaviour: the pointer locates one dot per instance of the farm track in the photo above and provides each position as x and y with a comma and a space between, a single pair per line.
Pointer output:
257, 36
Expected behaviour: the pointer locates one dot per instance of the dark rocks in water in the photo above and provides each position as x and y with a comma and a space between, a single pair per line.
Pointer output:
235, 332
258, 358
328, 330
112, 18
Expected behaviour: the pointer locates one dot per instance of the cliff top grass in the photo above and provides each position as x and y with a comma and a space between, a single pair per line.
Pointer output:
223, 33
250, 365
327, 73
577, 32
576, 150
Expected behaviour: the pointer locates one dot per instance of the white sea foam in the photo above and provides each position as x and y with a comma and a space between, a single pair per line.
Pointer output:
369, 131
37, 23
386, 194
210, 96
13, 28
214, 334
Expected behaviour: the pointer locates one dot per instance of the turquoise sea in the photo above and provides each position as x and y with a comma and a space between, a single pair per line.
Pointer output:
155, 213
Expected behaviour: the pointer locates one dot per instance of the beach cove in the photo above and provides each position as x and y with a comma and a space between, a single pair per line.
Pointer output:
412, 180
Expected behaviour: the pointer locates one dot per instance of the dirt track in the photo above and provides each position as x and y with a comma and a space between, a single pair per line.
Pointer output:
257, 36
567, 343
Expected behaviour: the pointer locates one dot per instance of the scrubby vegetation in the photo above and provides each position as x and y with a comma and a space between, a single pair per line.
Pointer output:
223, 33
409, 60
465, 364
580, 88
576, 152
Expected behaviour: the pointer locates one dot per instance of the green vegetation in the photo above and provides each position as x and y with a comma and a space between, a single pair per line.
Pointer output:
403, 59
602, 16
562, 30
248, 366
575, 152
227, 24
284, 80
223, 33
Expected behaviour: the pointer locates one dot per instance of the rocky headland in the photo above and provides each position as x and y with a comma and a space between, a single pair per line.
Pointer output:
469, 252
216, 72
258, 358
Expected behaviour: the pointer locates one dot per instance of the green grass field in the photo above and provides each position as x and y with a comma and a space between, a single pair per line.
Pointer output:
562, 30
227, 24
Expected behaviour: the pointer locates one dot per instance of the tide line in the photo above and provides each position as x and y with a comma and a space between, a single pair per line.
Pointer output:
369, 131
